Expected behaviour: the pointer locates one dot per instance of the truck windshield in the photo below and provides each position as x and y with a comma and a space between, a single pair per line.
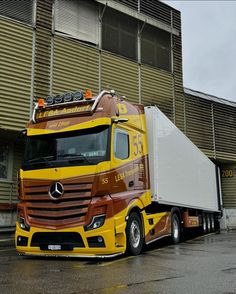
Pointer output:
84, 147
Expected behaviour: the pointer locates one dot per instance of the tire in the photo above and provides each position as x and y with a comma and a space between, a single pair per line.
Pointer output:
212, 223
134, 235
175, 229
204, 224
208, 223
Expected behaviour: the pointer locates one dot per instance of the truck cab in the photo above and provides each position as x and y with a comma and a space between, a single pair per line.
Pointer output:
84, 171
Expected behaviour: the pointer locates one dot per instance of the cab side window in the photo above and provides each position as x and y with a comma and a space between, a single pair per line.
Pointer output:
121, 148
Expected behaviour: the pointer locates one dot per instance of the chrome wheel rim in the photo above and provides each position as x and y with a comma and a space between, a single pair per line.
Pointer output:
204, 224
175, 229
208, 224
212, 224
135, 235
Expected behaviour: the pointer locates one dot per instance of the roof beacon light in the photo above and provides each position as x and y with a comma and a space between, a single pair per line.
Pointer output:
41, 103
88, 95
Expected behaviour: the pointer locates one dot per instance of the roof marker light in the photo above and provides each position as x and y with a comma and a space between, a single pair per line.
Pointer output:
41, 103
88, 94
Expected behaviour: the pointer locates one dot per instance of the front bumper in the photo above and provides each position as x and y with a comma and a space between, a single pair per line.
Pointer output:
111, 246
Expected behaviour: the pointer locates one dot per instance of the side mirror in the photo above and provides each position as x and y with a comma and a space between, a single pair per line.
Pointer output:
23, 133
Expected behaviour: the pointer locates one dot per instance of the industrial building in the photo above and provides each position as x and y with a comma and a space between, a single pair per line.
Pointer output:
54, 46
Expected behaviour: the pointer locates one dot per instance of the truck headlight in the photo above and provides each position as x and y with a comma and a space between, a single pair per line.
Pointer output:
21, 221
96, 222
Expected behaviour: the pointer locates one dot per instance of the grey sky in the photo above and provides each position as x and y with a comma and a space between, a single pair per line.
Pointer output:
209, 46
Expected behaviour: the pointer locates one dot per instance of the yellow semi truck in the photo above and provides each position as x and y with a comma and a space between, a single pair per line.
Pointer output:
101, 177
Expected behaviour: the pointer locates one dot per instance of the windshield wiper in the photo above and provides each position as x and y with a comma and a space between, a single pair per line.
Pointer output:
79, 155
41, 159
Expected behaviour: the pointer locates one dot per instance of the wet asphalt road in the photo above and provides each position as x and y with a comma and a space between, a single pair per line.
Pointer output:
205, 264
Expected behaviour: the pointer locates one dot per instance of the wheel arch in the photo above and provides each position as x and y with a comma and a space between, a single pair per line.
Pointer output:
176, 210
137, 210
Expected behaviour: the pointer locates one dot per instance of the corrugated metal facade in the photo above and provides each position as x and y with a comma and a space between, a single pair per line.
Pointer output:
157, 89
130, 3
121, 75
156, 10
199, 124
44, 14
82, 64
212, 127
225, 131
18, 155
152, 8
42, 63
6, 192
42, 49
75, 66
179, 103
16, 67
16, 55
8, 189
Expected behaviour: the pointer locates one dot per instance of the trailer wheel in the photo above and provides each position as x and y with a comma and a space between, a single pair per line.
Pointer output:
212, 223
208, 223
204, 224
175, 229
134, 234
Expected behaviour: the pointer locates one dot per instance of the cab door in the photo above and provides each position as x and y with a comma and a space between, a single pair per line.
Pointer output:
140, 160
121, 159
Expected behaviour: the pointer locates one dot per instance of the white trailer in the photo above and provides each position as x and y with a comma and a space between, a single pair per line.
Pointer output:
180, 174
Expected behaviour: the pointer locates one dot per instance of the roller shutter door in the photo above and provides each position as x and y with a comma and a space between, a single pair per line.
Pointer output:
228, 174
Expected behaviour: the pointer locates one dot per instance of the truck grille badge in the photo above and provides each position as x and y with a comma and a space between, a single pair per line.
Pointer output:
56, 190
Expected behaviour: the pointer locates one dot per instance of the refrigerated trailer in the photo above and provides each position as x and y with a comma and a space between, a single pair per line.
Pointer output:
102, 176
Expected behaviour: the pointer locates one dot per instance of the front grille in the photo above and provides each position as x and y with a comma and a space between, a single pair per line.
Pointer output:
65, 239
70, 208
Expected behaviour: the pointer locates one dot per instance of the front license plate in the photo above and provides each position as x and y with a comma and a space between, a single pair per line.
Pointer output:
54, 247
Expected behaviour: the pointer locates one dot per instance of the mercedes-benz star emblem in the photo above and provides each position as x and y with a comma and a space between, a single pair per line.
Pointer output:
56, 190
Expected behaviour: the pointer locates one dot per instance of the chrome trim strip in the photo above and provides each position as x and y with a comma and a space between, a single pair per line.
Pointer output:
106, 256
158, 238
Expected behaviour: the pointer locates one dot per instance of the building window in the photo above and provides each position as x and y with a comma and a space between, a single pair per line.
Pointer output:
119, 34
156, 47
77, 18
5, 161
121, 148
19, 10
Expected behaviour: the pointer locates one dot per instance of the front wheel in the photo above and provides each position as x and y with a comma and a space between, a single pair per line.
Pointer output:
175, 229
134, 235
